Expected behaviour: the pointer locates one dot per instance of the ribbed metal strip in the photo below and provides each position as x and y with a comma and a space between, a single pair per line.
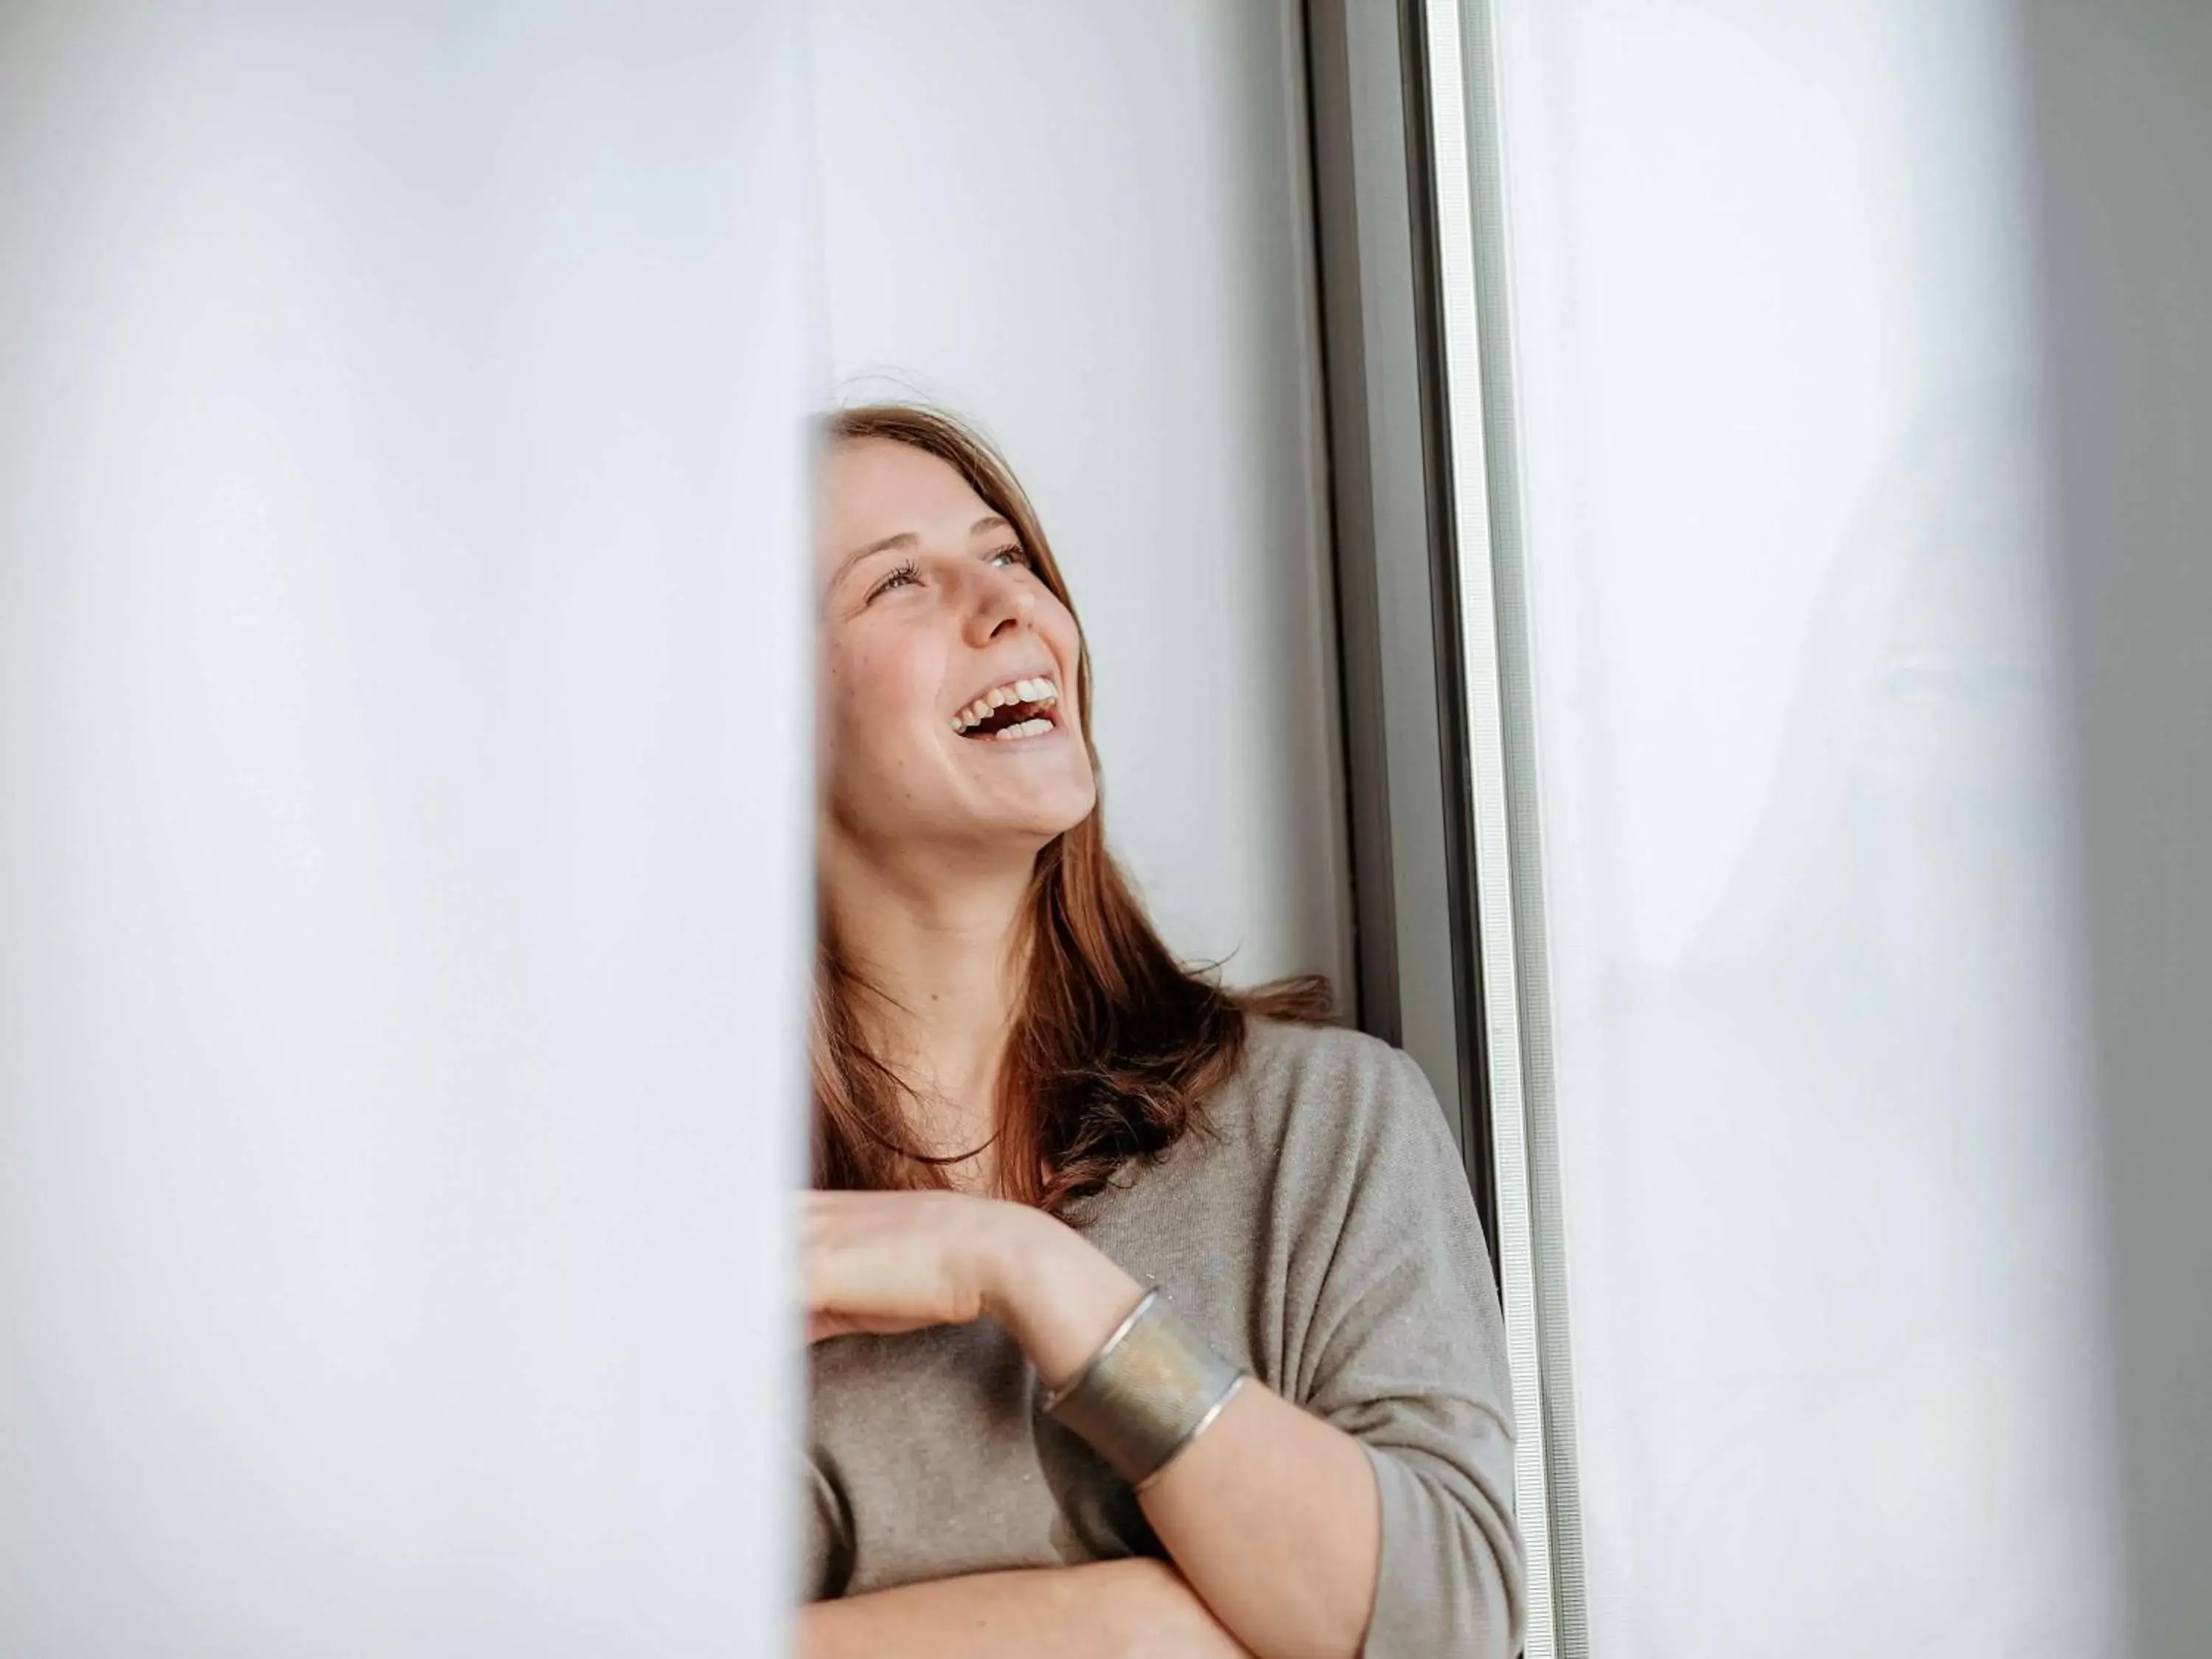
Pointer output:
1508, 885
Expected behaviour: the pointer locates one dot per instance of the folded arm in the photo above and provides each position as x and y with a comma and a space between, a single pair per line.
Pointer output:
1371, 1511
1102, 1610
1272, 1516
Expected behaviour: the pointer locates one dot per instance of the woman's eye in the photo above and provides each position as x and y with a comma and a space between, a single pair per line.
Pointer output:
899, 578
1013, 554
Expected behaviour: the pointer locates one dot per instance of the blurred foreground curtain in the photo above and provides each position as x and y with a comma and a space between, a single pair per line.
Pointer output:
402, 702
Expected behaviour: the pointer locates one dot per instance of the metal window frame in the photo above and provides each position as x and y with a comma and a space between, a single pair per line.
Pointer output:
1416, 961
1403, 117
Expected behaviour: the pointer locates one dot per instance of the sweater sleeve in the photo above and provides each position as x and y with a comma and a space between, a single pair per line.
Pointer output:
1393, 1334
826, 1565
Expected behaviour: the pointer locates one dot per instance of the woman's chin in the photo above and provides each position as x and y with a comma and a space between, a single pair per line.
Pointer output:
1045, 810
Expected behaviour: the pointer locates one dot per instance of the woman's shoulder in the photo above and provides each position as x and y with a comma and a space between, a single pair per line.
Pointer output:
1327, 1086
1304, 1051
1300, 1056
1308, 1106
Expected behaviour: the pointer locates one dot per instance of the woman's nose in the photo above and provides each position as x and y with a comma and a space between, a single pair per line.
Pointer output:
1003, 603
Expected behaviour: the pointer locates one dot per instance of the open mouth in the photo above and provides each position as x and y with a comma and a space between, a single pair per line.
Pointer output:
1025, 707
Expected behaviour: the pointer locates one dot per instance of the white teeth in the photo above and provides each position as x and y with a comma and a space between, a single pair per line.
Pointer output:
1030, 728
1035, 690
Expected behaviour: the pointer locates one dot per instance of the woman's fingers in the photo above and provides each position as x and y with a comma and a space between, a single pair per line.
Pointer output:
885, 1262
820, 1327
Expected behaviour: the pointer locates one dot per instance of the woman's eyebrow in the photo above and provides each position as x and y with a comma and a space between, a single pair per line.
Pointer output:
904, 538
908, 539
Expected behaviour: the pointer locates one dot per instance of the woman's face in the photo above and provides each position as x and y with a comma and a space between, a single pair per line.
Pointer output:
937, 636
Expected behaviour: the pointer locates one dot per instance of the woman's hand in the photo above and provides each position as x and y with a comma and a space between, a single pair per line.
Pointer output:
885, 1262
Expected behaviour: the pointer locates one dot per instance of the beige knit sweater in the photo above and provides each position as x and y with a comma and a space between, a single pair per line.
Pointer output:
1319, 1230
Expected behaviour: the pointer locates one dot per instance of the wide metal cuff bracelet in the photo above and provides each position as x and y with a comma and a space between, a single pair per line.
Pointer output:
1147, 1393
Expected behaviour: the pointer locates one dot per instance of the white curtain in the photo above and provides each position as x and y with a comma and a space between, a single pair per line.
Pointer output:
1830, 1203
403, 739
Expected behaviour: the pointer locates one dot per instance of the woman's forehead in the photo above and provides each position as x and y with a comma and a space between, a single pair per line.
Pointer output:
872, 488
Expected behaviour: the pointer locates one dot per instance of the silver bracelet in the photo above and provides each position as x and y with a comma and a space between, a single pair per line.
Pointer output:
1153, 1388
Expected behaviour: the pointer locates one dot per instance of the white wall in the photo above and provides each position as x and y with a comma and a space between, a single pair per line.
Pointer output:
402, 827
1086, 226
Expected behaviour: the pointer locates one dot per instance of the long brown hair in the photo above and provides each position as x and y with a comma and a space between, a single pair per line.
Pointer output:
1117, 1045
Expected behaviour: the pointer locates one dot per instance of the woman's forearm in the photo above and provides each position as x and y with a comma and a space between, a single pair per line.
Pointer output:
1272, 1515
1102, 1610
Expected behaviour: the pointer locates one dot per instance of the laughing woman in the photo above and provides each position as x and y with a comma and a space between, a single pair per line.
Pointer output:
1148, 1317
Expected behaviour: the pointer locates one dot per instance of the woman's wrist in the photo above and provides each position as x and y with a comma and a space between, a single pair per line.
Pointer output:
1057, 1295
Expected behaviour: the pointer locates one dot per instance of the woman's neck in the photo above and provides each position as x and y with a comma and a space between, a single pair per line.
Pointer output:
945, 960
